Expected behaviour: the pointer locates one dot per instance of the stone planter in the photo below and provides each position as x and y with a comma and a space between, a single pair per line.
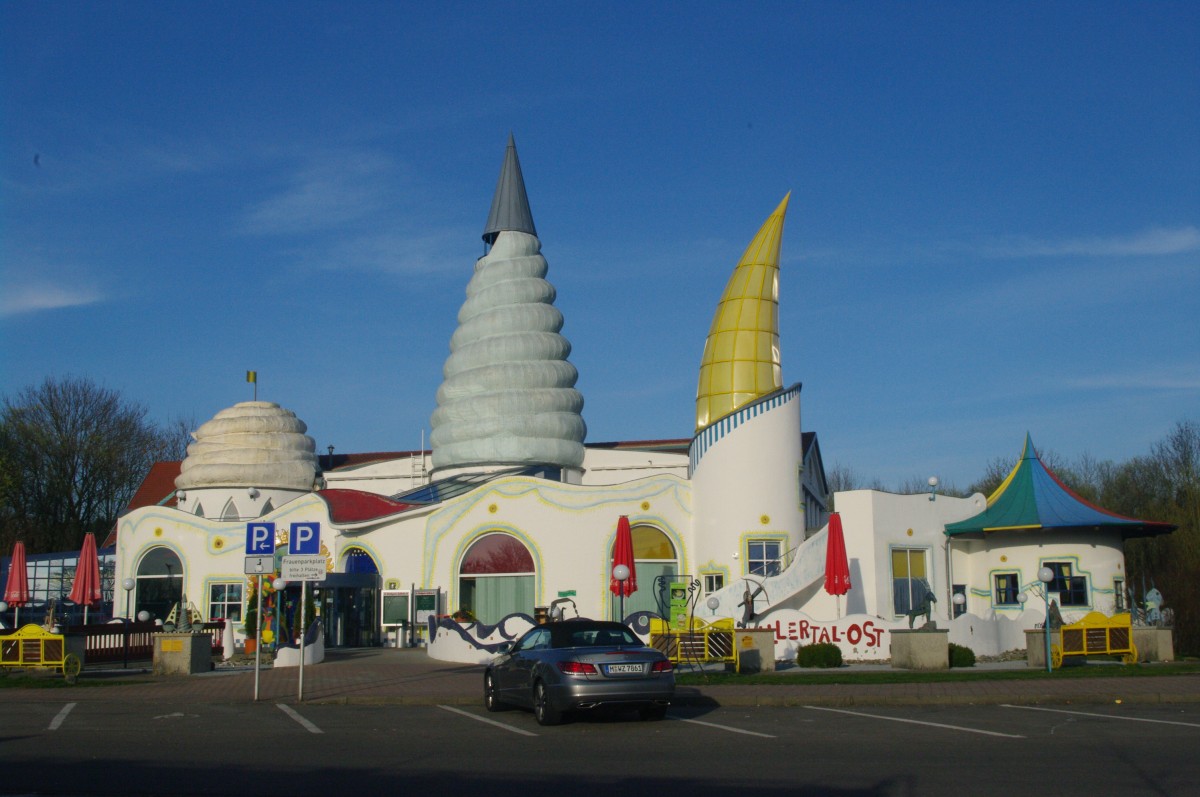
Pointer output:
182, 653
920, 650
755, 649
1035, 646
1154, 644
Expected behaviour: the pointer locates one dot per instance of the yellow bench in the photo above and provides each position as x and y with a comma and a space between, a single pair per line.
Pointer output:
33, 646
1096, 635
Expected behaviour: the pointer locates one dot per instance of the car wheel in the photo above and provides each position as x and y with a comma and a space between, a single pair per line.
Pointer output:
491, 701
543, 709
652, 713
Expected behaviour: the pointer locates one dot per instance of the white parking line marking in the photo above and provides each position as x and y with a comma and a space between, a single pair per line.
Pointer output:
61, 716
1103, 716
916, 722
488, 721
291, 712
727, 728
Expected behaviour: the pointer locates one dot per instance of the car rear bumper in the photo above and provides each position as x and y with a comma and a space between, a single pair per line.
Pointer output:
582, 694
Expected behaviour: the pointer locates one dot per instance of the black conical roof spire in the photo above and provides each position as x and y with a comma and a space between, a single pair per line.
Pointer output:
510, 205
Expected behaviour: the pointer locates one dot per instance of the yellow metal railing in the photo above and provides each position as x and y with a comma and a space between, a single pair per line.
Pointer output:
701, 642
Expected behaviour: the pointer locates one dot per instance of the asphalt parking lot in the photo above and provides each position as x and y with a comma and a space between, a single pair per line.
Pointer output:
182, 746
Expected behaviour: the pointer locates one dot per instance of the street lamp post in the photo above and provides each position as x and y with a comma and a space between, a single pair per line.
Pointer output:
959, 600
1046, 575
621, 574
127, 584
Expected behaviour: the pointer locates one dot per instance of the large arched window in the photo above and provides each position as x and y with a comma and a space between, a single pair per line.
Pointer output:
159, 583
496, 578
653, 556
356, 560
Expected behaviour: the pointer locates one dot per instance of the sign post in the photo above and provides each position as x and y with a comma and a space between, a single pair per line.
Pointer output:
260, 559
305, 563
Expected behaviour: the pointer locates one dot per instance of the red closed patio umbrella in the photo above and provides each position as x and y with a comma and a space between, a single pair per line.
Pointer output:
837, 566
85, 591
16, 589
622, 556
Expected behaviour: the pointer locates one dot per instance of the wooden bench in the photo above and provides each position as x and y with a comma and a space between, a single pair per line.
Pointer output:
1096, 635
32, 646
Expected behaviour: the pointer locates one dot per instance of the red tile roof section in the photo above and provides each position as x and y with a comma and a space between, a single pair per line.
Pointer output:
355, 506
157, 489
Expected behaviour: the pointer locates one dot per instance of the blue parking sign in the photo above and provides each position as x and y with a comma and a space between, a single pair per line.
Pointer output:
260, 539
305, 539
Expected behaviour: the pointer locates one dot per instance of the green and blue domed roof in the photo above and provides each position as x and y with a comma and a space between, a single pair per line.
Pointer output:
1032, 497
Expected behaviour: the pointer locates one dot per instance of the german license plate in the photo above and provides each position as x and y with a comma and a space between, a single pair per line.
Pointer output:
624, 669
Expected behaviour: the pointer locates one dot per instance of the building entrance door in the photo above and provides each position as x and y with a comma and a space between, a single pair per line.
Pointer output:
350, 610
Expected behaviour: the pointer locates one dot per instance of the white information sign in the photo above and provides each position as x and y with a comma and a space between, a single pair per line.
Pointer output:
260, 565
303, 568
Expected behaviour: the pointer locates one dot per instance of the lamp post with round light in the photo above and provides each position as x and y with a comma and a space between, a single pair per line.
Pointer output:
1046, 575
127, 585
959, 600
621, 574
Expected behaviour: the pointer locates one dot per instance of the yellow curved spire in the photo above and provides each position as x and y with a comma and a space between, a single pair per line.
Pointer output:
741, 354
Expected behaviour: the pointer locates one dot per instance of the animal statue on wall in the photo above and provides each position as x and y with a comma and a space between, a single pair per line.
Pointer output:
925, 607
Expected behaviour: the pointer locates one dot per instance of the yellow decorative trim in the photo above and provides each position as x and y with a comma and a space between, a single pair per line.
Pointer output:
765, 520
218, 543
1003, 558
493, 508
645, 506
158, 532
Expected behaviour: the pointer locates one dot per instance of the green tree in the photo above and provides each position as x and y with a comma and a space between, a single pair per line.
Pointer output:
72, 454
1165, 486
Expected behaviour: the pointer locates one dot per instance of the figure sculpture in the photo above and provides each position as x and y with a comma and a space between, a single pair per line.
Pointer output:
1154, 602
925, 607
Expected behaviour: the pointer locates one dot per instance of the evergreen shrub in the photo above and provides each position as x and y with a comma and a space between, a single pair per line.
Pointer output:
822, 654
961, 656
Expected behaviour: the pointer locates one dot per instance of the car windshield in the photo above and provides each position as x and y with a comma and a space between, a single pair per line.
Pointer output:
568, 635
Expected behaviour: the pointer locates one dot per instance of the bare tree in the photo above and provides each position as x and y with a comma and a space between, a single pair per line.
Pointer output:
72, 453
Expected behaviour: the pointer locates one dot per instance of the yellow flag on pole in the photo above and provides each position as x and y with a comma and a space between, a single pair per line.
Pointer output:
252, 376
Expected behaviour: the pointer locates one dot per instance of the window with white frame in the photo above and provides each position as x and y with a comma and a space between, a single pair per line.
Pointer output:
713, 582
225, 601
763, 557
910, 579
1119, 595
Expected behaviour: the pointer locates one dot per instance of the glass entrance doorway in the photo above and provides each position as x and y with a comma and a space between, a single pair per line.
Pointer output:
350, 610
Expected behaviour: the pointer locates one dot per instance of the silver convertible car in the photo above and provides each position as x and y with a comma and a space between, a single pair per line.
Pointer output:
576, 665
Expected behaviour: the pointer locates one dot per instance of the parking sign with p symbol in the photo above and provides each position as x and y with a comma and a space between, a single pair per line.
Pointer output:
260, 539
305, 539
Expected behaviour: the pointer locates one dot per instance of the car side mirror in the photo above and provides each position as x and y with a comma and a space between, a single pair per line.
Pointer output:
504, 647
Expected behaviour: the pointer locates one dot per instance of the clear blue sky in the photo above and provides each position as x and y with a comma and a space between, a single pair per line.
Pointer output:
994, 225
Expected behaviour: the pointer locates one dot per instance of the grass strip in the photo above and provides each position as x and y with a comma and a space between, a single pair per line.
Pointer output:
806, 678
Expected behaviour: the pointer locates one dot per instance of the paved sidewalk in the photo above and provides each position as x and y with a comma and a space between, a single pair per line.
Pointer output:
387, 676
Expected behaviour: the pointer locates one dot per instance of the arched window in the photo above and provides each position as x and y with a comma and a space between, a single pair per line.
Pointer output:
496, 578
653, 556
159, 583
359, 561
267, 509
231, 511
